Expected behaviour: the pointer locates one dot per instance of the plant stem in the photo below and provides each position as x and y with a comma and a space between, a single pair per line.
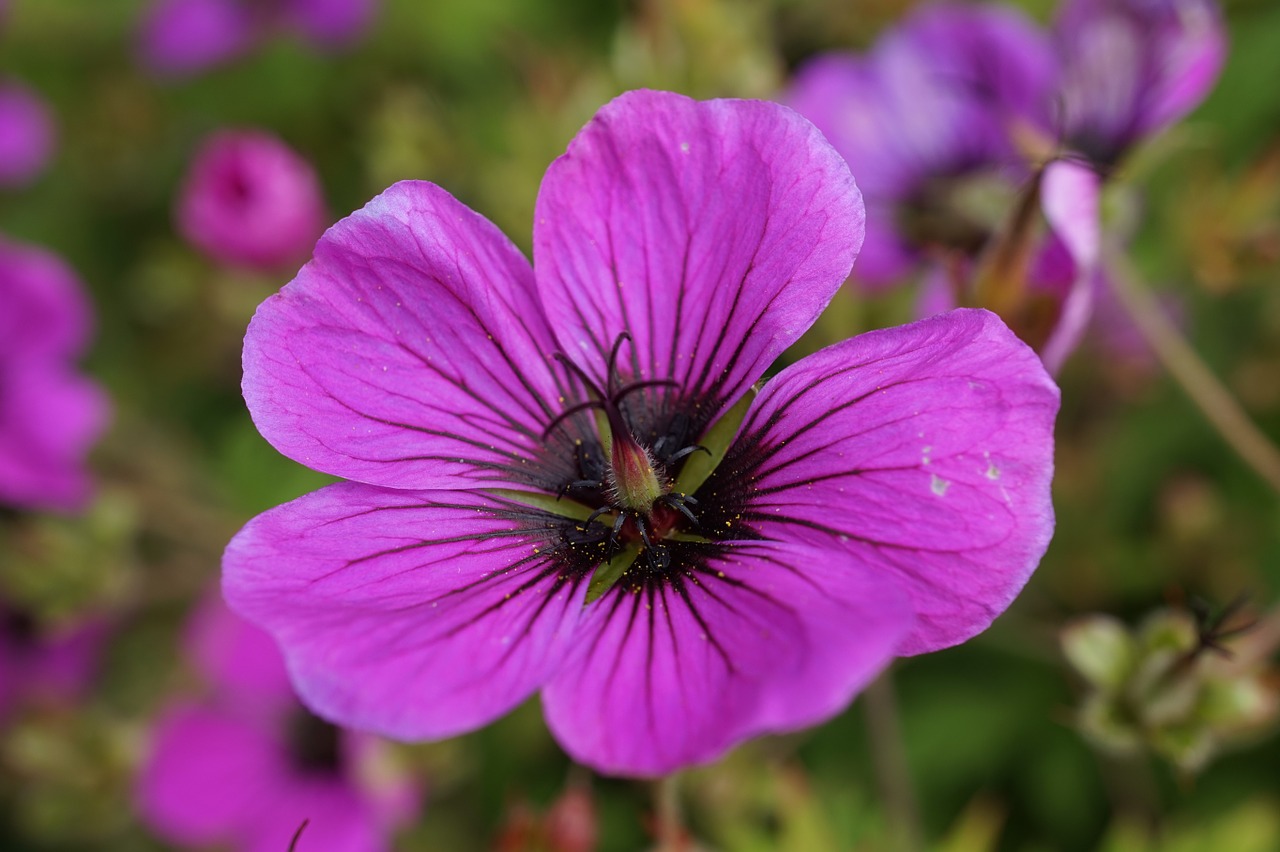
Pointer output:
669, 826
1213, 399
889, 762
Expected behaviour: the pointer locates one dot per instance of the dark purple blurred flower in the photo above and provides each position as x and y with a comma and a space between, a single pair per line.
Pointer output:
249, 200
46, 663
49, 413
1130, 68
887, 495
932, 104
246, 765
183, 37
26, 134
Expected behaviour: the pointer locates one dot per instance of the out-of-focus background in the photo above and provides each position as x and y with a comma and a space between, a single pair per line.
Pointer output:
1154, 510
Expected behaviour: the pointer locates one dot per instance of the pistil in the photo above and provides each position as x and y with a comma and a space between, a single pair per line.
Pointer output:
634, 482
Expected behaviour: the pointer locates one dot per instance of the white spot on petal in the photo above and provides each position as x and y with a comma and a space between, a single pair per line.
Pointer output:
938, 485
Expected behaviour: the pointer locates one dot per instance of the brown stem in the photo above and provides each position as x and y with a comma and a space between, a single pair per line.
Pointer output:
669, 826
1215, 402
889, 762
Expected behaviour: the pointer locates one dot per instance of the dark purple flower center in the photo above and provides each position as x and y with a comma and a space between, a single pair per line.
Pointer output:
957, 212
20, 628
629, 483
313, 744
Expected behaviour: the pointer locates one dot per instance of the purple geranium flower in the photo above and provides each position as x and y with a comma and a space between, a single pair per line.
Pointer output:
249, 200
181, 37
46, 662
49, 413
26, 134
1133, 67
247, 764
563, 480
932, 105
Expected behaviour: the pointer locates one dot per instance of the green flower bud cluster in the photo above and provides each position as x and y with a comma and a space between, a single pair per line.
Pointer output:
1166, 687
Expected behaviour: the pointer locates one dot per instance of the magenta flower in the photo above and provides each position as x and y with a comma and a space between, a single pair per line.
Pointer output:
184, 37
249, 200
562, 480
26, 134
931, 105
247, 765
1133, 67
49, 413
39, 663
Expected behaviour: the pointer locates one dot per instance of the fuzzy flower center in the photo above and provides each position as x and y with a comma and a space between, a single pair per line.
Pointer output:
627, 483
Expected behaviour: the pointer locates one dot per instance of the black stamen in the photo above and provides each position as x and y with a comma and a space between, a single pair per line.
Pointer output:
582, 376
613, 360
644, 533
687, 451
569, 412
627, 389
578, 483
617, 529
677, 502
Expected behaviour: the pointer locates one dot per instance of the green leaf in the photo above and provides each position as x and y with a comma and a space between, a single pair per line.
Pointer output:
564, 507
717, 440
609, 573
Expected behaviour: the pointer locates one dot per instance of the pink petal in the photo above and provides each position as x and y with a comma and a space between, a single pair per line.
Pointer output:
208, 775
411, 352
49, 413
331, 23
752, 637
43, 308
926, 451
411, 614
183, 37
1069, 197
26, 134
237, 658
714, 232
49, 418
338, 818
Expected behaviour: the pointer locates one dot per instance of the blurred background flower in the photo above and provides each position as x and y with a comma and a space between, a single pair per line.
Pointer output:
246, 764
49, 412
184, 37
26, 134
249, 200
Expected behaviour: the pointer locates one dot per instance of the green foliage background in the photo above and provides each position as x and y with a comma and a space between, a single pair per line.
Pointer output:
479, 97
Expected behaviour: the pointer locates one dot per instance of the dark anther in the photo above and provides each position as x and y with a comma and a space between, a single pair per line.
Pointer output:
644, 532
617, 530
1211, 627
681, 503
579, 483
597, 513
